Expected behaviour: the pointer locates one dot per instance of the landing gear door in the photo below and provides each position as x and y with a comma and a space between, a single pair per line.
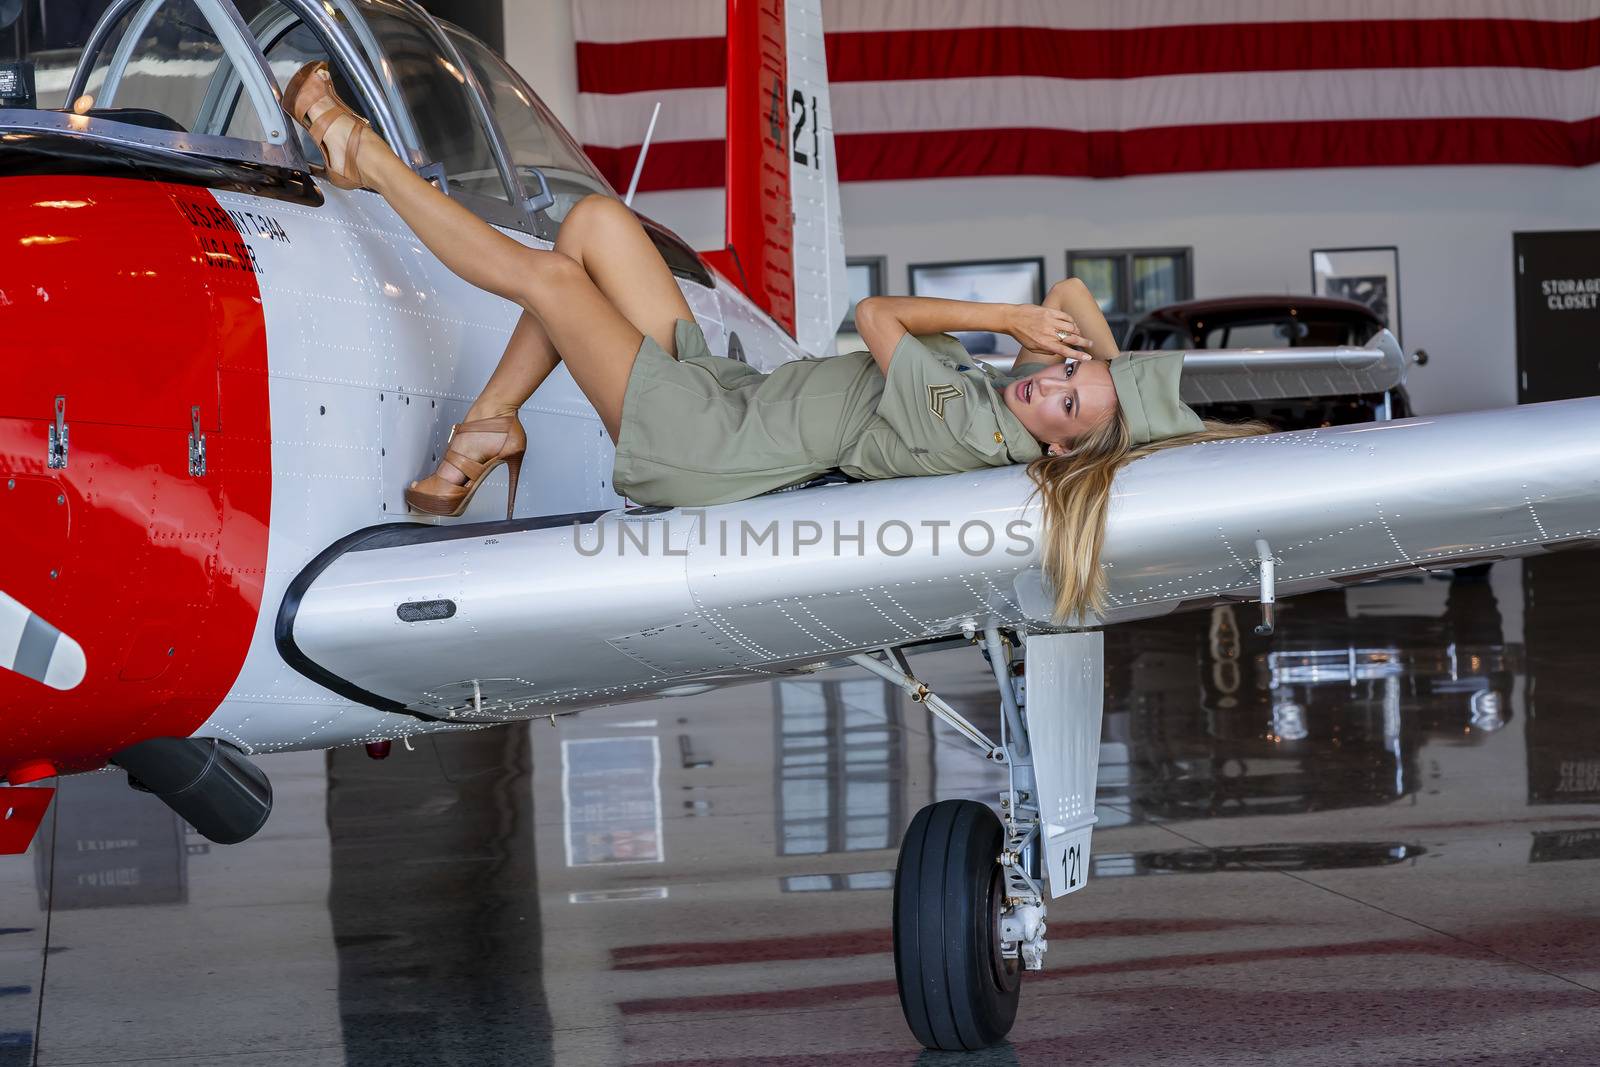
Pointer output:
1066, 695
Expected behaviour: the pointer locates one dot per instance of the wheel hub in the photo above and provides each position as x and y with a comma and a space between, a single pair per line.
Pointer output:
1006, 967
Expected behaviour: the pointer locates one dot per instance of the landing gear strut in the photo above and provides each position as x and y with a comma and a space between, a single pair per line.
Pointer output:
969, 891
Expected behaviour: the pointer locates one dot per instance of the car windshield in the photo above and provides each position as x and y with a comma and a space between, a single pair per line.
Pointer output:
1282, 331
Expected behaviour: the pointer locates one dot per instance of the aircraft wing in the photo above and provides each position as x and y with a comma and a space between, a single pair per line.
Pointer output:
501, 620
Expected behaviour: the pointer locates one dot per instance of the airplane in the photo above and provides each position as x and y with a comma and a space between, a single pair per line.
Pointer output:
208, 557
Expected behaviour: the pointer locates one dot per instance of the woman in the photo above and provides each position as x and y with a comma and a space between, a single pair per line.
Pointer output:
691, 428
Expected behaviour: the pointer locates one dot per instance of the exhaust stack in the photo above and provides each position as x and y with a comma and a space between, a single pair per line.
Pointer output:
211, 784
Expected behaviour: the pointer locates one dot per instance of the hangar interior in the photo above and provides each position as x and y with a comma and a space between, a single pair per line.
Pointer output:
1238, 231
1373, 833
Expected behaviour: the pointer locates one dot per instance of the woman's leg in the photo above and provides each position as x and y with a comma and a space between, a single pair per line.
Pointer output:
595, 340
605, 238
527, 361
607, 241
578, 321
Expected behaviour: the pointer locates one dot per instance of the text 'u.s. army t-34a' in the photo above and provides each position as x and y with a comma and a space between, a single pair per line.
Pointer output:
207, 556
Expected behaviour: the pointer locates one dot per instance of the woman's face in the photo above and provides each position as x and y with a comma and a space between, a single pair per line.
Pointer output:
1064, 401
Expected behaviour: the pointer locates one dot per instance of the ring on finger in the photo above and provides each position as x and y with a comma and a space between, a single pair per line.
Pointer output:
1061, 335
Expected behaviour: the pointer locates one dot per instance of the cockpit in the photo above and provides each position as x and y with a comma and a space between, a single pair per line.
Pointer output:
205, 77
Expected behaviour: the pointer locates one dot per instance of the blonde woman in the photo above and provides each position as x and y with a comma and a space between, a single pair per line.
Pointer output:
693, 429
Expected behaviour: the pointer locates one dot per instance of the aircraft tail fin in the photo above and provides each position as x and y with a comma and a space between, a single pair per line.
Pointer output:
785, 242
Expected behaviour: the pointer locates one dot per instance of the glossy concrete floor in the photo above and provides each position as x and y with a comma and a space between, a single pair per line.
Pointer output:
1373, 839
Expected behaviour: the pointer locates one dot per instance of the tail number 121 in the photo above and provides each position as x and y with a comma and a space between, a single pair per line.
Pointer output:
805, 115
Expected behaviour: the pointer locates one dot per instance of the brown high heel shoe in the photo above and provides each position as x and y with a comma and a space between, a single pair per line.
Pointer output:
435, 495
313, 83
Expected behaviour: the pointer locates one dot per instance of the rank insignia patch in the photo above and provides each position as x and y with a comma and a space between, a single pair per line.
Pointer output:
940, 395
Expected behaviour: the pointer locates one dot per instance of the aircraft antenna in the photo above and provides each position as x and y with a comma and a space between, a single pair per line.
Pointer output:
638, 166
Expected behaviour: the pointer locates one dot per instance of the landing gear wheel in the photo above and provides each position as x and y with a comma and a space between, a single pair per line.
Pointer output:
957, 991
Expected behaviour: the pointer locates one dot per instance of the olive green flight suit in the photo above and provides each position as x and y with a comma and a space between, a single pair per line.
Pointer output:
702, 429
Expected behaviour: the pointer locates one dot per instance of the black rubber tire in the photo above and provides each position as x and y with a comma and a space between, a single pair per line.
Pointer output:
957, 992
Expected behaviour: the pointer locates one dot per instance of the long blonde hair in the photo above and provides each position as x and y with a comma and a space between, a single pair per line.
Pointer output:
1075, 491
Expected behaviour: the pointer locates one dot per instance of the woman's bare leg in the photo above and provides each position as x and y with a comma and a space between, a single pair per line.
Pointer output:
527, 361
607, 241
602, 234
596, 340
604, 237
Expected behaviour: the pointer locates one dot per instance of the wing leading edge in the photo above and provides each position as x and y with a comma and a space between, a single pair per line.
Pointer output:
480, 624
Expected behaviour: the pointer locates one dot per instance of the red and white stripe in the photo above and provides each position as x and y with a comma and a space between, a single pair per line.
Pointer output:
1104, 88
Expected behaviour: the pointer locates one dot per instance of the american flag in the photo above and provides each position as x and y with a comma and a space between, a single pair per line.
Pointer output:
1107, 88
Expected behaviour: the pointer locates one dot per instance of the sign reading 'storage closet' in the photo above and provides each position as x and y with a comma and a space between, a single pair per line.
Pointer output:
1571, 294
1557, 279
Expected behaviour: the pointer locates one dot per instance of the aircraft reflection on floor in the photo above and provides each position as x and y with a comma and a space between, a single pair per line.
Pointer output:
611, 800
841, 770
434, 897
1563, 727
113, 854
1319, 856
1327, 713
1563, 736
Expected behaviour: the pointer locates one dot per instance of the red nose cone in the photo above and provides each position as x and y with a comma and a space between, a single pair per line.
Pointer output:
379, 749
118, 523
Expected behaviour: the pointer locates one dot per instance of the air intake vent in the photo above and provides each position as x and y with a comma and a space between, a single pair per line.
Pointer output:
426, 610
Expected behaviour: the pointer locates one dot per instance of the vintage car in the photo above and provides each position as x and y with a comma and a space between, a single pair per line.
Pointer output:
1243, 322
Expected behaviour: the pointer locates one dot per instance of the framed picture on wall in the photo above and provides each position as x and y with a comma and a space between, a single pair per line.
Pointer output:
864, 276
988, 281
1369, 276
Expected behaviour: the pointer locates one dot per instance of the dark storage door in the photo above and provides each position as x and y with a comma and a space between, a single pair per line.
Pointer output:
1558, 315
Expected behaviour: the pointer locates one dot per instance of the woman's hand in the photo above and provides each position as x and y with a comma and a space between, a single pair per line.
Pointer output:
1046, 330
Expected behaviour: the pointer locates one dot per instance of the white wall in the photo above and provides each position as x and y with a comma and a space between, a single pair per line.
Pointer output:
1252, 232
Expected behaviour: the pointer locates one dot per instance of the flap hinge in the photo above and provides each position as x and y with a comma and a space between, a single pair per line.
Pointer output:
197, 445
56, 450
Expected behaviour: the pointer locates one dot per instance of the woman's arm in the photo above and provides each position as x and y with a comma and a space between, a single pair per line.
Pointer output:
883, 320
1073, 298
